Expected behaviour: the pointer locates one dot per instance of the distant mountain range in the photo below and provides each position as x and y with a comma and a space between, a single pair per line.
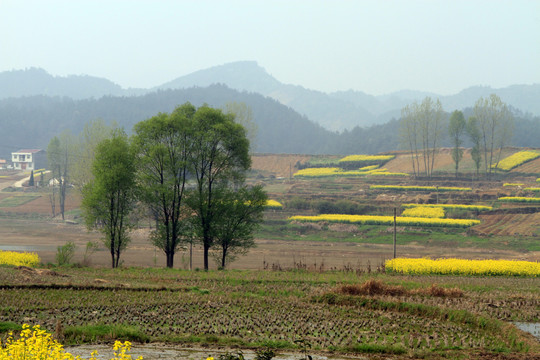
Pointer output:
337, 111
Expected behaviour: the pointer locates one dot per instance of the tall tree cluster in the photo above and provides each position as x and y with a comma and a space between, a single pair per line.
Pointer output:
421, 132
489, 129
190, 174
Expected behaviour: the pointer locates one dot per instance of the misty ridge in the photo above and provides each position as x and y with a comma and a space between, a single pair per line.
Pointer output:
35, 106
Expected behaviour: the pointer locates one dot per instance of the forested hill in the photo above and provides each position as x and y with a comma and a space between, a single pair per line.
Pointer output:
30, 122
335, 111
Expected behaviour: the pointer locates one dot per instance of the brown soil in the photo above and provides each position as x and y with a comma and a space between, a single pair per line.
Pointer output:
509, 224
278, 165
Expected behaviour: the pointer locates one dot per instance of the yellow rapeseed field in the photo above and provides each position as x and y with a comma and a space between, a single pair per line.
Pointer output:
424, 212
419, 188
273, 204
514, 160
327, 172
362, 158
519, 199
19, 259
386, 220
37, 344
452, 206
317, 172
463, 267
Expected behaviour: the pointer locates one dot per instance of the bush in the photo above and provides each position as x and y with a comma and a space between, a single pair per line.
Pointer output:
298, 203
65, 253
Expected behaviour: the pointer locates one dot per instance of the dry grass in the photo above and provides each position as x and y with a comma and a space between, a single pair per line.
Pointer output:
377, 287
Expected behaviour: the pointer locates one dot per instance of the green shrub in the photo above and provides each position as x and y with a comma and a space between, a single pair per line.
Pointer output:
65, 253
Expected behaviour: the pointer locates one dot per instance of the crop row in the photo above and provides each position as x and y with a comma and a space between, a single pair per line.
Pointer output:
463, 267
419, 188
514, 160
532, 189
452, 206
18, 258
519, 199
424, 212
386, 220
252, 319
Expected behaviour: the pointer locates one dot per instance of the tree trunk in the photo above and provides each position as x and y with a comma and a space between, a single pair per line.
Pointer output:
223, 257
205, 254
170, 259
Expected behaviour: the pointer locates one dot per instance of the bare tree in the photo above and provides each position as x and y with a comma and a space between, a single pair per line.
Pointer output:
422, 126
495, 123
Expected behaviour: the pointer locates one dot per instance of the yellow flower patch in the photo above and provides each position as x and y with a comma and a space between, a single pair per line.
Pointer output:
463, 267
19, 259
386, 220
512, 161
273, 204
424, 212
37, 344
452, 206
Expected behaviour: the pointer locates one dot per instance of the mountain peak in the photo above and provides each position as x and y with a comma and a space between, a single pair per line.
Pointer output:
239, 75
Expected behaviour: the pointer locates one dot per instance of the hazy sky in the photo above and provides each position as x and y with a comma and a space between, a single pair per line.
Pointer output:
375, 46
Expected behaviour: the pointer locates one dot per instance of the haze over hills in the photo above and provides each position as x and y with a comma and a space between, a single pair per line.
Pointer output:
335, 111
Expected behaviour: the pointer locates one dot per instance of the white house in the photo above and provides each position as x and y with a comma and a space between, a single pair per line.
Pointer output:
29, 159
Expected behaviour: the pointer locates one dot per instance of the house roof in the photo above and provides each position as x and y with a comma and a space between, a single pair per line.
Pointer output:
26, 151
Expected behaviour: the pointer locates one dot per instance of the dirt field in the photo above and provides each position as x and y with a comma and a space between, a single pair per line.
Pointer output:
44, 237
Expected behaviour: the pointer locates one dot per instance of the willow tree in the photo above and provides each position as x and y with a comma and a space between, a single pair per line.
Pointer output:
164, 144
219, 160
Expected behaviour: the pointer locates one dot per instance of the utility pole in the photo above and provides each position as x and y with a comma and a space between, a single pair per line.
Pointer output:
395, 231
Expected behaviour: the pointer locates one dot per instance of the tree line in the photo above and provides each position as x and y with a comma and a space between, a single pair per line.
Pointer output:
33, 121
489, 129
186, 170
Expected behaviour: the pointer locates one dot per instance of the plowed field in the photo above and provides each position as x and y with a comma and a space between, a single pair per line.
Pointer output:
509, 224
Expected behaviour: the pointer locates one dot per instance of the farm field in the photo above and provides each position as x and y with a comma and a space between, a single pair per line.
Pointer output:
293, 288
341, 312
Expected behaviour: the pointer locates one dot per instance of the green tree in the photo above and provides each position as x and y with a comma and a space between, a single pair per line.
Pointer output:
59, 155
238, 214
476, 138
495, 122
456, 130
110, 197
164, 143
219, 159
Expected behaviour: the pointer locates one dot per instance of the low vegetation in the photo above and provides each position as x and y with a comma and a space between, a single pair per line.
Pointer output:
37, 344
16, 258
464, 267
337, 311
